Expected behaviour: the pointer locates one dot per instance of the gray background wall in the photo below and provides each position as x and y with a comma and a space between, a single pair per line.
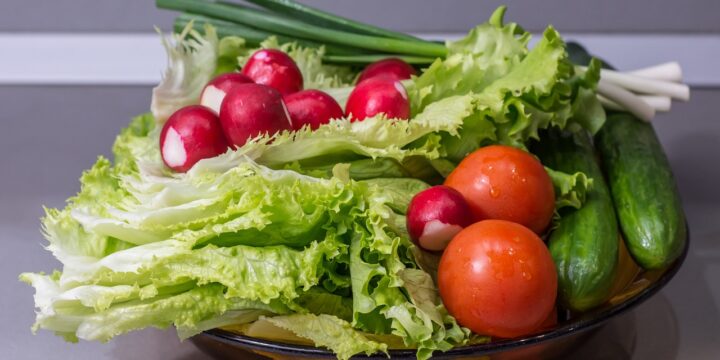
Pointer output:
406, 15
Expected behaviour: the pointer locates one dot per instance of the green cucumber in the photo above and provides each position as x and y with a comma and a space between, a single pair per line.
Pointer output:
584, 243
644, 190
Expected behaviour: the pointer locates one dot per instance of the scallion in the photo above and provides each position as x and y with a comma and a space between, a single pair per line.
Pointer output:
281, 25
321, 18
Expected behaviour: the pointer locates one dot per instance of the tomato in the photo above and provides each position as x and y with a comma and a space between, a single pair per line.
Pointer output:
551, 321
497, 278
505, 183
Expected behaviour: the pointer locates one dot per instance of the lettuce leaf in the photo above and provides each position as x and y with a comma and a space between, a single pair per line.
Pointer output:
191, 311
241, 241
570, 189
474, 62
330, 332
230, 48
192, 59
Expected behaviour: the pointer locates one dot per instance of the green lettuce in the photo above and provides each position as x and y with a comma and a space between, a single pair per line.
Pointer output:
329, 331
570, 189
238, 240
192, 58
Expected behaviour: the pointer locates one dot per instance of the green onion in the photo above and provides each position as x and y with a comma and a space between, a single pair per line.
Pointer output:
277, 24
223, 28
321, 18
366, 59
252, 36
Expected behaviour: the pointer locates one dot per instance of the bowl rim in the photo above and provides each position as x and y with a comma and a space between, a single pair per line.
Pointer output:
581, 324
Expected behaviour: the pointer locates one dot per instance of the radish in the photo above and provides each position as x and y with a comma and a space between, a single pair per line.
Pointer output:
312, 107
435, 215
214, 92
274, 68
392, 68
250, 110
191, 134
378, 95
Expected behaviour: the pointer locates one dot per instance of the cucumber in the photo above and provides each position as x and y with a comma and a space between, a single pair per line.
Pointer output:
643, 188
584, 243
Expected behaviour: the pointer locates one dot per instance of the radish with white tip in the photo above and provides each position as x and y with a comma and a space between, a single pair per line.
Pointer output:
435, 215
312, 107
191, 134
250, 110
378, 95
274, 68
215, 91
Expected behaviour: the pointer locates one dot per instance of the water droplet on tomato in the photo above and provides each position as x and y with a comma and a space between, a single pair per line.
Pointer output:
494, 193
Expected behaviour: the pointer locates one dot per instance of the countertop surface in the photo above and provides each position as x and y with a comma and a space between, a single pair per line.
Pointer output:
50, 134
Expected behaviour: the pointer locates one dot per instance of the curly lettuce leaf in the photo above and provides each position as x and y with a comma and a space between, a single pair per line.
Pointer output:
271, 241
318, 300
570, 189
516, 91
192, 59
390, 296
230, 48
540, 91
190, 311
330, 332
474, 62
400, 191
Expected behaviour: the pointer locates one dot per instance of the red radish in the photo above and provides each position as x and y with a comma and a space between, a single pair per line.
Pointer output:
214, 92
392, 68
312, 107
435, 215
250, 110
191, 134
274, 68
378, 95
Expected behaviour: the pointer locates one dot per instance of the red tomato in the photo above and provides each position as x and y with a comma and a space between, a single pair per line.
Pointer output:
497, 278
551, 321
505, 183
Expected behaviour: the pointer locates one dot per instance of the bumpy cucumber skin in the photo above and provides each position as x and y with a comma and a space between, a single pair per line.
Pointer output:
584, 244
643, 189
